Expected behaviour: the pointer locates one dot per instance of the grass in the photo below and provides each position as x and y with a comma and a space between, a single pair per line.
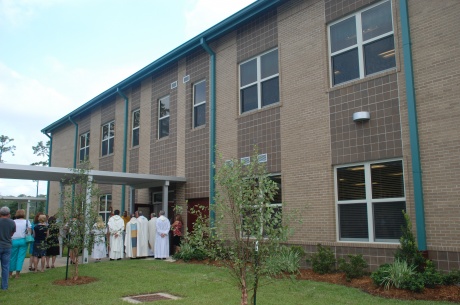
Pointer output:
196, 284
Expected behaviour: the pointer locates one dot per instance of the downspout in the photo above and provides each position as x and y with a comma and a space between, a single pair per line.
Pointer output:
49, 164
74, 154
212, 128
413, 128
125, 148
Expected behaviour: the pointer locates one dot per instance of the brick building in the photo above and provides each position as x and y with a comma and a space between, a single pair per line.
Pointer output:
353, 105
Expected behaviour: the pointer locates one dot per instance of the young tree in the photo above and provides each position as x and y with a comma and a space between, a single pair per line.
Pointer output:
78, 213
42, 150
249, 230
5, 146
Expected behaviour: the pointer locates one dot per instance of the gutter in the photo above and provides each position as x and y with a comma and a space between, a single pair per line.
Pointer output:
413, 128
49, 164
125, 146
212, 128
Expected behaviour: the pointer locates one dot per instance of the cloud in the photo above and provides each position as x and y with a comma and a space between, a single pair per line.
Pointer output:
18, 12
205, 14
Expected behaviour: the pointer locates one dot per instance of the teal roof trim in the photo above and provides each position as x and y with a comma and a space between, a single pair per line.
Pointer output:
213, 33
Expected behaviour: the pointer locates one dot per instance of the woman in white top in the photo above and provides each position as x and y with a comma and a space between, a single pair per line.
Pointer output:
19, 249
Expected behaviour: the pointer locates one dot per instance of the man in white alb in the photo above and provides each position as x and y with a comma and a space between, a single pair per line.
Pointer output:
142, 235
152, 233
116, 227
162, 238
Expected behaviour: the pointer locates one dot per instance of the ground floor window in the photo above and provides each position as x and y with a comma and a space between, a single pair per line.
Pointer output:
370, 198
105, 207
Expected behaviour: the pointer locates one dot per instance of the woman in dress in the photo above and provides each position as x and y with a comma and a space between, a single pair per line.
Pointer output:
177, 232
40, 235
31, 247
19, 248
99, 248
52, 242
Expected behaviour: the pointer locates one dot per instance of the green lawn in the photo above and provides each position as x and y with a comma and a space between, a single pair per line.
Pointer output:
196, 284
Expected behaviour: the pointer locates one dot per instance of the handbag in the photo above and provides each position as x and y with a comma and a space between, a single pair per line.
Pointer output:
29, 237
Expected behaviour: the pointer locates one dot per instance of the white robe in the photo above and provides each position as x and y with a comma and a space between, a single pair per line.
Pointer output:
132, 238
152, 235
162, 243
142, 237
116, 228
99, 248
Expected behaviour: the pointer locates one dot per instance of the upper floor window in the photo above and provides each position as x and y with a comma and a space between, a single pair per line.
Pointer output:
362, 44
136, 127
199, 104
84, 147
259, 81
108, 136
370, 198
163, 117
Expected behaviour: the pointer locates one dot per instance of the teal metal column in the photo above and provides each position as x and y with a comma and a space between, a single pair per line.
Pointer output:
212, 128
413, 127
125, 148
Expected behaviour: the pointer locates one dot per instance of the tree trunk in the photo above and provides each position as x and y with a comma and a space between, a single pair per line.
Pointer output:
244, 291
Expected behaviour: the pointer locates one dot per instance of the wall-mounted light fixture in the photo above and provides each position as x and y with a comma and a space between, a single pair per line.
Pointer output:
361, 116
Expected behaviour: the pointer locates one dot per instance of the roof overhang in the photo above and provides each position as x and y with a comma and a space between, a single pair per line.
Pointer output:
29, 172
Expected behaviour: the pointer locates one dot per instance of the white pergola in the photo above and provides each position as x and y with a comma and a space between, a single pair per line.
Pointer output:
60, 174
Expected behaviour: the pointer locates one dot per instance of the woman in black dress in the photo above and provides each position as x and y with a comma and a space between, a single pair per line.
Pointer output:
52, 242
40, 234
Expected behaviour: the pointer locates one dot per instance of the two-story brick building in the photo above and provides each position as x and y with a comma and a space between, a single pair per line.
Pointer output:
353, 104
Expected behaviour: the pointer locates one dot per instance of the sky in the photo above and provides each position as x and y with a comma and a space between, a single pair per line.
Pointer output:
56, 55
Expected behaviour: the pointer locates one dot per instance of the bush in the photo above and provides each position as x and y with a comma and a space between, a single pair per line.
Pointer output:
398, 274
188, 252
431, 276
323, 261
452, 278
353, 269
408, 250
286, 260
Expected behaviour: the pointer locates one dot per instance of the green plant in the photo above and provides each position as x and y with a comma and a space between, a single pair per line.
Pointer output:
188, 252
400, 275
286, 260
452, 278
408, 251
354, 268
432, 277
323, 261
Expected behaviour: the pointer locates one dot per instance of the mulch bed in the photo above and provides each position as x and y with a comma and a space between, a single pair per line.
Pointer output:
82, 280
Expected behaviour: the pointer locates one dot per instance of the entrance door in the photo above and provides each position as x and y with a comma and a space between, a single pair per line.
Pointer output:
201, 204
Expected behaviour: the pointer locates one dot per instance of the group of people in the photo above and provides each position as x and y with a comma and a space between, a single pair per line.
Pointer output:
13, 242
135, 236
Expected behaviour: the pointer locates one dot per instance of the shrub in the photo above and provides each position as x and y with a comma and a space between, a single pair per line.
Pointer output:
323, 261
431, 276
452, 278
408, 250
188, 252
286, 260
397, 274
355, 268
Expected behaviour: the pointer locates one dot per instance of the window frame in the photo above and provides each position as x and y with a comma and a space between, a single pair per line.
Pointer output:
163, 117
360, 43
196, 105
84, 149
259, 81
105, 200
368, 200
110, 149
135, 128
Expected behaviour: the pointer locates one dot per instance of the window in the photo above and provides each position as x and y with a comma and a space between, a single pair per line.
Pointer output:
199, 104
108, 135
84, 147
259, 84
362, 44
136, 126
105, 207
370, 199
251, 222
163, 117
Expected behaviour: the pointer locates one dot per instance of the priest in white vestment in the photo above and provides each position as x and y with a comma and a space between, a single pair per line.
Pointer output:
162, 237
116, 227
142, 235
152, 233
131, 237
